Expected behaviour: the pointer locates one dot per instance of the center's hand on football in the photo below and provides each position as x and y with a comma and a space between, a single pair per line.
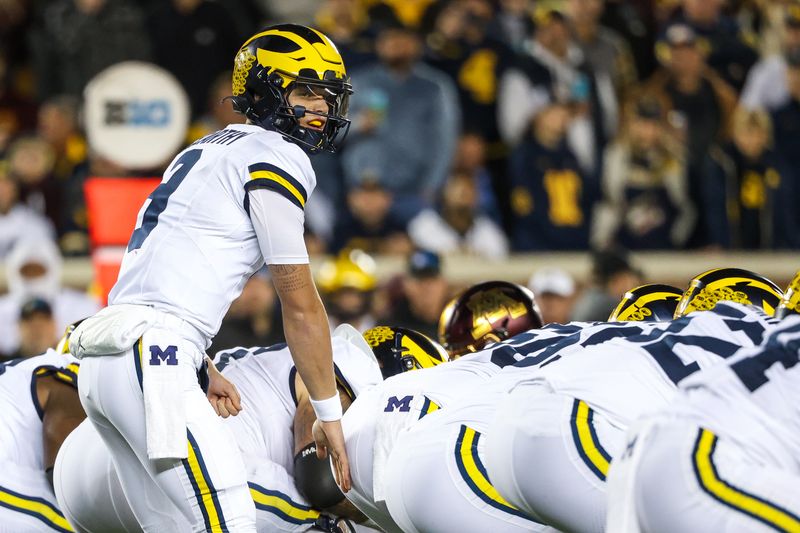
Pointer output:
329, 438
222, 394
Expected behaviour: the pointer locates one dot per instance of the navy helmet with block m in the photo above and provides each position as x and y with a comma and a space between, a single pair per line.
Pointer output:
790, 303
729, 284
401, 349
487, 312
654, 302
279, 59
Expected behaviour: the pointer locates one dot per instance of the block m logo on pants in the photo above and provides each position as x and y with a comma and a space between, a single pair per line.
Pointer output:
168, 355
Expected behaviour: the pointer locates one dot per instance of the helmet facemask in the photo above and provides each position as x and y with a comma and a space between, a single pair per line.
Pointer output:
270, 109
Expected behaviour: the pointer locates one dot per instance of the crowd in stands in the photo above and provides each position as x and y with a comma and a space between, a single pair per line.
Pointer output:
481, 126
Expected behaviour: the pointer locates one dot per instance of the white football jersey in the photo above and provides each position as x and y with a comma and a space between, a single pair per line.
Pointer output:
21, 423
625, 376
265, 379
753, 399
195, 245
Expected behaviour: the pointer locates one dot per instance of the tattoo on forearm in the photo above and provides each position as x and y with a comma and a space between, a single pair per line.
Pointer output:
288, 278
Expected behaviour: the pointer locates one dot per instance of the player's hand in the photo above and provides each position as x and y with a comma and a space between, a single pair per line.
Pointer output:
329, 438
222, 394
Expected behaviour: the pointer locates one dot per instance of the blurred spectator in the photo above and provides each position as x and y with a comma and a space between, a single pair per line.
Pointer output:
636, 22
786, 122
18, 222
767, 86
405, 123
58, 125
460, 46
551, 198
700, 103
31, 161
591, 94
195, 40
749, 194
33, 270
425, 292
347, 284
470, 159
17, 113
729, 51
36, 328
512, 24
646, 192
604, 49
346, 23
254, 318
458, 225
409, 12
554, 290
76, 39
612, 276
369, 224
218, 113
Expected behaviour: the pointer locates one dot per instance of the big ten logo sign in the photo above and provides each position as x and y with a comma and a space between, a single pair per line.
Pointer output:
145, 113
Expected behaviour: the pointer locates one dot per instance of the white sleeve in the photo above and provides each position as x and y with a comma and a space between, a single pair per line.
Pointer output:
279, 227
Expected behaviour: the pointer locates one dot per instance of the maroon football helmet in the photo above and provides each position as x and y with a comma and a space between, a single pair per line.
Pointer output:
487, 312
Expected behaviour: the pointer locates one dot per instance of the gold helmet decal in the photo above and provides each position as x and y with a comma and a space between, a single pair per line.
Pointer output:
489, 307
729, 284
790, 303
401, 349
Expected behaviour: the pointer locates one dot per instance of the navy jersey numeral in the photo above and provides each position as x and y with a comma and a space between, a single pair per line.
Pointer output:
160, 197
224, 357
5, 366
752, 371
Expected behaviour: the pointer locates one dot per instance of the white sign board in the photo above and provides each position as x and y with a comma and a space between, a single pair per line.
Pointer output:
136, 115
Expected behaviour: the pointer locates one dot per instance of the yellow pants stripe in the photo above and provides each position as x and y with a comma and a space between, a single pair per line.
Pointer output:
35, 507
583, 434
706, 472
204, 490
281, 505
474, 473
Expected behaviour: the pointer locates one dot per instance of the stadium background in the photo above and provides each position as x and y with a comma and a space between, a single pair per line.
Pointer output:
578, 146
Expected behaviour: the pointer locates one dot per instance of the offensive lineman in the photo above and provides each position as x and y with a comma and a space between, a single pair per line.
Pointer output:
228, 203
40, 407
87, 486
567, 419
609, 374
723, 456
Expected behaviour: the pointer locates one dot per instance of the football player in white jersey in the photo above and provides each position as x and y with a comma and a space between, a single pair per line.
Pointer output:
229, 203
272, 394
40, 406
725, 454
573, 364
567, 419
377, 420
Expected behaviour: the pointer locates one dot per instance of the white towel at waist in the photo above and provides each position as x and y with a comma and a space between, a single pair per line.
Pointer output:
116, 328
169, 365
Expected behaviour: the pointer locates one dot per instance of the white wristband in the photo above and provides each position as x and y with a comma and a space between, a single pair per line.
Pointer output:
328, 410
